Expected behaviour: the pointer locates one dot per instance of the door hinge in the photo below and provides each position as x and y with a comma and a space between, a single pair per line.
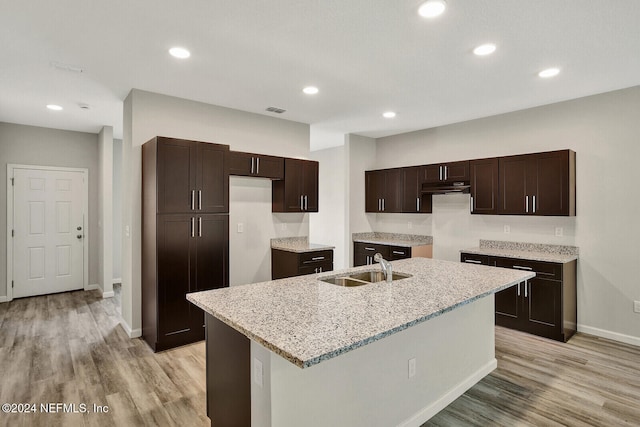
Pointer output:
13, 233
12, 181
12, 284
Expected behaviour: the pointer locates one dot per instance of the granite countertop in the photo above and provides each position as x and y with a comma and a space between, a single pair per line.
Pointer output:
298, 245
529, 251
392, 239
307, 321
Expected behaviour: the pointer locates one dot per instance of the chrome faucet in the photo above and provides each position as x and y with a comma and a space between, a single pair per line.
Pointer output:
387, 268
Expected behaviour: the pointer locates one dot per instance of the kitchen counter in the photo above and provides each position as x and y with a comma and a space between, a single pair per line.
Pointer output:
529, 251
307, 321
297, 245
392, 239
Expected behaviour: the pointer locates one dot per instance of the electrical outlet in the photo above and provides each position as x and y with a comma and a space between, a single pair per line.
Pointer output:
412, 368
283, 226
240, 227
559, 232
507, 229
636, 306
127, 231
257, 372
409, 225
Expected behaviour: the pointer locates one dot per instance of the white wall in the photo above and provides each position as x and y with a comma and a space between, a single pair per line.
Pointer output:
604, 130
117, 210
147, 115
32, 145
105, 210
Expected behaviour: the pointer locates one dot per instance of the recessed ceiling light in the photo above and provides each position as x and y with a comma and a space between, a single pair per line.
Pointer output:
432, 8
485, 49
388, 114
54, 107
549, 72
179, 52
310, 90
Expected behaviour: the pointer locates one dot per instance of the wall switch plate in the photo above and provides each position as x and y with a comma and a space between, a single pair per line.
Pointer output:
257, 372
636, 306
240, 227
127, 231
507, 229
559, 232
409, 225
412, 368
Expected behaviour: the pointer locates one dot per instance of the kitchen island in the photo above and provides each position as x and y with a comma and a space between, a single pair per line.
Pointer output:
300, 351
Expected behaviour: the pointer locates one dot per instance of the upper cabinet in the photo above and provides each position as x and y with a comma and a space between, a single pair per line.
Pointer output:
447, 172
538, 184
298, 191
484, 186
256, 165
191, 176
413, 201
383, 190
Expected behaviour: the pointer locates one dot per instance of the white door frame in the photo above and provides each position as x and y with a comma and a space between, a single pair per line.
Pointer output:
85, 220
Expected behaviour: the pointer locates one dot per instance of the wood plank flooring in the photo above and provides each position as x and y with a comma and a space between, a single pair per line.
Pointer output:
69, 348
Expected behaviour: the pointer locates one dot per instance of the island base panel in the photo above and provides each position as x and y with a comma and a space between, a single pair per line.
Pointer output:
228, 375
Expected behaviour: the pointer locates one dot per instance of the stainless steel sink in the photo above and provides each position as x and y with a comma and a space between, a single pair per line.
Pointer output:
362, 278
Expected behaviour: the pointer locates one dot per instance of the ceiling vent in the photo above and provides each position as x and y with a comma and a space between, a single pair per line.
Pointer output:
276, 110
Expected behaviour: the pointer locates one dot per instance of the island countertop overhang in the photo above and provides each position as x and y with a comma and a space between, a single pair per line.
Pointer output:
307, 321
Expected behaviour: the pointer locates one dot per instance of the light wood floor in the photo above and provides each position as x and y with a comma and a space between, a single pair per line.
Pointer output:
68, 348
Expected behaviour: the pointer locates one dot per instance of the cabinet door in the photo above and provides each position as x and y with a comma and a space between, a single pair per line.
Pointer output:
392, 198
433, 173
293, 176
176, 178
360, 258
256, 165
310, 183
474, 259
374, 185
456, 171
543, 308
212, 178
399, 252
484, 186
509, 307
176, 249
212, 252
413, 201
552, 186
241, 164
513, 184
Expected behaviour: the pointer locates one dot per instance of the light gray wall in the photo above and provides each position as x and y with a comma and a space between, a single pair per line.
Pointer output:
29, 145
117, 209
604, 130
149, 114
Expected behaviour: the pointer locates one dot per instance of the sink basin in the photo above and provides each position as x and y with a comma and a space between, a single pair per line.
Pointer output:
362, 278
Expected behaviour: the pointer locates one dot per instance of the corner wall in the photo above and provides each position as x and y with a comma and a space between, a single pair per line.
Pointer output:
604, 131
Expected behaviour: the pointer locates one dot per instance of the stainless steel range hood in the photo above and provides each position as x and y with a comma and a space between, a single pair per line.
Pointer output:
446, 188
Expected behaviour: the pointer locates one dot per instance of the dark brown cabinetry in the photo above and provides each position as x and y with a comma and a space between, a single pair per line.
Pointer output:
298, 191
447, 172
544, 305
289, 264
191, 176
182, 252
256, 165
383, 190
484, 186
413, 201
363, 253
538, 184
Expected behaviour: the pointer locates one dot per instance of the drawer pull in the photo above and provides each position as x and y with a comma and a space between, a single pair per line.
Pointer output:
519, 267
473, 261
369, 249
398, 253
317, 258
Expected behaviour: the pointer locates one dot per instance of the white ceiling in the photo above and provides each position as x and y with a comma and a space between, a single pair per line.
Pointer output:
366, 57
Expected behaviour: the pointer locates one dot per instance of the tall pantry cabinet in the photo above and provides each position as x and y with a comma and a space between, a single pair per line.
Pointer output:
185, 235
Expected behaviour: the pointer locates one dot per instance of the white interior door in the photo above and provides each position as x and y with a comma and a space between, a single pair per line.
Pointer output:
48, 242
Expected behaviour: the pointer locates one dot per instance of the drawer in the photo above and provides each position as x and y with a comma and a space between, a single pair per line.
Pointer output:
474, 259
371, 249
543, 270
399, 252
316, 257
315, 268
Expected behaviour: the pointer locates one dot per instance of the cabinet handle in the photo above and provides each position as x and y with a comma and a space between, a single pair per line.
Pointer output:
193, 227
445, 173
520, 267
320, 269
379, 205
306, 203
473, 261
526, 209
382, 205
526, 285
398, 253
252, 165
534, 204
369, 249
315, 270
317, 258
518, 289
471, 204
440, 172
257, 165
193, 200
199, 199
301, 203
417, 204
199, 226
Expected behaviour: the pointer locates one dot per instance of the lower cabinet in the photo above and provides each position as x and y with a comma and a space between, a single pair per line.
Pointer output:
544, 306
289, 264
363, 253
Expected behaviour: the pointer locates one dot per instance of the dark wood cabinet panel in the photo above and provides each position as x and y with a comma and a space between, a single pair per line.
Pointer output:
212, 252
176, 177
474, 259
256, 165
447, 172
509, 307
552, 184
212, 178
374, 190
513, 185
413, 201
544, 307
298, 191
399, 252
290, 264
484, 186
384, 190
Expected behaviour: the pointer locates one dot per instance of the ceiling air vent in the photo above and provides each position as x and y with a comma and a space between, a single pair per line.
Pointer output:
276, 110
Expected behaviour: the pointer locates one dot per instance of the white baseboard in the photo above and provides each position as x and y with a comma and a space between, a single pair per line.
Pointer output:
615, 336
117, 280
92, 287
132, 333
427, 412
4, 298
108, 294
